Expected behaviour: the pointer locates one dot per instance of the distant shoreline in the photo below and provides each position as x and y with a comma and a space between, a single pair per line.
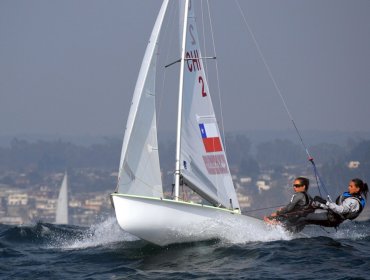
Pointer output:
255, 136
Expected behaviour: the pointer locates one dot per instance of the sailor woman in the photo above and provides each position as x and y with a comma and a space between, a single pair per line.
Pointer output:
348, 206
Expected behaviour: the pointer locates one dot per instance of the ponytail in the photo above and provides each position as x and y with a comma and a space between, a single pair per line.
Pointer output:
364, 189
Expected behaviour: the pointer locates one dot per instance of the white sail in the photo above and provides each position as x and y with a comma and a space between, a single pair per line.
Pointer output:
203, 160
139, 172
61, 216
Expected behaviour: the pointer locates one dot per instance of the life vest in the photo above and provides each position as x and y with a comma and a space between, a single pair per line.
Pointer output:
308, 201
358, 197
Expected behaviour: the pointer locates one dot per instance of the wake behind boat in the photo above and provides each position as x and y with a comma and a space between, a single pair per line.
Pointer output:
201, 164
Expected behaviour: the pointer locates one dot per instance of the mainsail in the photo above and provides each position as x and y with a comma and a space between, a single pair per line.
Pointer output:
204, 166
61, 216
139, 171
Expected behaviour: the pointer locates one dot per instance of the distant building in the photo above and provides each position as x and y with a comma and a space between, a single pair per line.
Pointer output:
93, 204
18, 199
74, 203
244, 201
245, 180
265, 177
353, 164
261, 185
11, 220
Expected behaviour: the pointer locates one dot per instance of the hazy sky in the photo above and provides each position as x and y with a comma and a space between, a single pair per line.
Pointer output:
70, 67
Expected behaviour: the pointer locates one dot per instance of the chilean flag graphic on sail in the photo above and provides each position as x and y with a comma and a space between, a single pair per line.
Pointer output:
210, 137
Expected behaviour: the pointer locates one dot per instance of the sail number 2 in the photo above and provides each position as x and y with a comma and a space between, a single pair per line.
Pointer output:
200, 80
192, 58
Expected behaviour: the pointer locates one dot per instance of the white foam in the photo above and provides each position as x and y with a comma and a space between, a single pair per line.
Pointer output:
243, 232
352, 231
104, 233
347, 230
233, 230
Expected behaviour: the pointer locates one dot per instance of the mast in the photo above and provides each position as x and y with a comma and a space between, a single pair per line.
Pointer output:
179, 110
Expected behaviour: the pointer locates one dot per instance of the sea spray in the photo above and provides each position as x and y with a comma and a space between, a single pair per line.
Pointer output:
234, 231
103, 233
243, 232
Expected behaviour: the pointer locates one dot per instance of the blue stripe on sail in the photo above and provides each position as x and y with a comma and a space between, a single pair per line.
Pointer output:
202, 130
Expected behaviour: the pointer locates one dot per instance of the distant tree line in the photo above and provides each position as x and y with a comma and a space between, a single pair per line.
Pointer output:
57, 156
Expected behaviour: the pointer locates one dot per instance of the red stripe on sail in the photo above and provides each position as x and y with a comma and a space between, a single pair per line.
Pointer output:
212, 144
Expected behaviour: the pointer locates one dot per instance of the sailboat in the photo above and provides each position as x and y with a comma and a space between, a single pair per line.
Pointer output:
61, 216
201, 163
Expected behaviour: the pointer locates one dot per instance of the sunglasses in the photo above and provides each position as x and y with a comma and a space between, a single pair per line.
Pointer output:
298, 185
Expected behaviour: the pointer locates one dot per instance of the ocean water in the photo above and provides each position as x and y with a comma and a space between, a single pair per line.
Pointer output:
104, 251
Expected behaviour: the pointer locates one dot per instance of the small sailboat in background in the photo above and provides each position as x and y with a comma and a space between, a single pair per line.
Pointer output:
201, 164
61, 215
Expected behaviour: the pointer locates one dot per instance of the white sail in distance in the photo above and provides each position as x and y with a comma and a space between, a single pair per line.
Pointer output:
61, 216
139, 171
204, 165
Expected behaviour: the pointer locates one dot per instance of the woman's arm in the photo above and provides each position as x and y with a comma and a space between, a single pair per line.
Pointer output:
349, 205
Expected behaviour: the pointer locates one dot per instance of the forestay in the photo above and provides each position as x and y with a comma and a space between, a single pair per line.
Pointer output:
139, 172
204, 166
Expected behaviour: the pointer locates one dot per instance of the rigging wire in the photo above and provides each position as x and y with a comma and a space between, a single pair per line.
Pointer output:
217, 75
204, 38
260, 209
170, 22
205, 51
310, 158
214, 54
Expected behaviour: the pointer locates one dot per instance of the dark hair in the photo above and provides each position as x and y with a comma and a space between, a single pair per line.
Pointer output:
363, 186
304, 181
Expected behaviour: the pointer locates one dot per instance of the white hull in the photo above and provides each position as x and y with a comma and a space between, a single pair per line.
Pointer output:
164, 222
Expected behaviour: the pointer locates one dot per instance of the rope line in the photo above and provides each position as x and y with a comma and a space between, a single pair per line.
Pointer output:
265, 208
310, 158
170, 22
217, 75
